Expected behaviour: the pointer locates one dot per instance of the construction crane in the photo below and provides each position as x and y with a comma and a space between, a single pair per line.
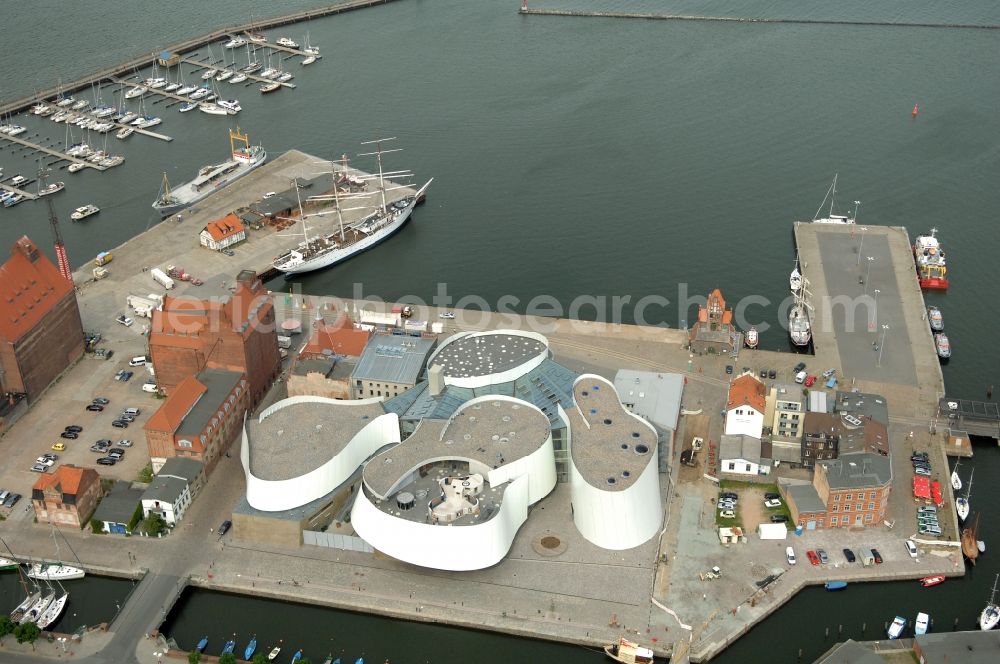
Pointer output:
62, 259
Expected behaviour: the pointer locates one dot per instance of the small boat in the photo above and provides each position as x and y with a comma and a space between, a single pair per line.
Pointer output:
836, 585
297, 656
897, 627
238, 78
274, 653
990, 616
329, 659
309, 60
361, 660
981, 545
251, 647
929, 581
137, 91
235, 42
186, 90
232, 106
795, 280
229, 647
51, 188
628, 652
270, 87
125, 132
752, 338
962, 502
969, 539
208, 74
188, 106
202, 645
78, 166
212, 109
942, 345
286, 42
12, 200
935, 318
921, 624
956, 481
58, 571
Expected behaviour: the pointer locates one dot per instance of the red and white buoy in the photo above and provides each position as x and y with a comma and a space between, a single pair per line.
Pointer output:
916, 110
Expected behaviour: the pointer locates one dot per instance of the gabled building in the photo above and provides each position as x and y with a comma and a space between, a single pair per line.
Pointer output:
390, 365
827, 435
117, 509
849, 491
66, 497
714, 331
172, 489
745, 407
199, 419
222, 233
41, 333
740, 455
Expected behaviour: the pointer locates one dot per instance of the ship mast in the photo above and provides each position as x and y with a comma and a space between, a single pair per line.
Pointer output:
302, 216
62, 259
378, 158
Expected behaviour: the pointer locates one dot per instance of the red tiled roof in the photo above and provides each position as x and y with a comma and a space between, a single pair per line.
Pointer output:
180, 402
746, 391
30, 285
225, 227
340, 337
67, 478
184, 315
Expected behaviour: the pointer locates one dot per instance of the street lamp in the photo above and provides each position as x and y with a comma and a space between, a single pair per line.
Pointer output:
885, 328
862, 242
868, 272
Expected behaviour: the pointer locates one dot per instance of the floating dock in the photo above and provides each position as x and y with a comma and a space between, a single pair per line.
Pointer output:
53, 153
209, 65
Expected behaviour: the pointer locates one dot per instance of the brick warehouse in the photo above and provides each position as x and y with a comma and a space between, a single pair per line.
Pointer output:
237, 335
41, 333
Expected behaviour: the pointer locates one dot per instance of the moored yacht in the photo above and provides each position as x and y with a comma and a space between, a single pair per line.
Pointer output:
832, 218
751, 337
78, 214
57, 571
286, 42
930, 261
990, 617
935, 318
942, 345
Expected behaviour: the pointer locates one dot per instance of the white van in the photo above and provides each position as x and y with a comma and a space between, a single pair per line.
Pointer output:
800, 377
149, 387
790, 555
138, 361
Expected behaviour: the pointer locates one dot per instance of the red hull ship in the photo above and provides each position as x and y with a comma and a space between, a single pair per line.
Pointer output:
929, 581
930, 262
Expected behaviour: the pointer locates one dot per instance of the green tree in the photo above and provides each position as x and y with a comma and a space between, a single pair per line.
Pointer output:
194, 657
228, 658
27, 633
154, 524
6, 626
305, 660
259, 658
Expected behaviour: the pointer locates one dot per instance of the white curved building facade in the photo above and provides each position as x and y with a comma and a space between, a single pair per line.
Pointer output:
614, 470
480, 359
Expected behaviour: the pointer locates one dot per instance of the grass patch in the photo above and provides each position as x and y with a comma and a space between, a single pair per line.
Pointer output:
766, 487
146, 474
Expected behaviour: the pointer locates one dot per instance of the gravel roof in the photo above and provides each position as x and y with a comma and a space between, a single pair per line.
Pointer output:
494, 432
486, 354
301, 437
610, 446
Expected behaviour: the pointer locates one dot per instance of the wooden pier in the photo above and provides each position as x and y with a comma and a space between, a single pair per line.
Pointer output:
27, 195
252, 77
144, 132
62, 156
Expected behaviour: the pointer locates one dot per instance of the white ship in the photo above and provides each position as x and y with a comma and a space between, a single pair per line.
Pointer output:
54, 572
369, 231
799, 327
830, 217
213, 177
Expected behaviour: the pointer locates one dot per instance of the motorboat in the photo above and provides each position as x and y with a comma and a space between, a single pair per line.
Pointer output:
78, 214
212, 109
897, 627
752, 338
270, 87
229, 647
199, 94
297, 656
232, 106
76, 167
202, 644
125, 132
12, 200
836, 585
627, 652
286, 42
283, 77
235, 42
990, 616
51, 188
921, 624
274, 653
251, 647
942, 345
935, 318
929, 581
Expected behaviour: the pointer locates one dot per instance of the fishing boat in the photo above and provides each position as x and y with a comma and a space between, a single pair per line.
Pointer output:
929, 581
369, 231
627, 652
921, 624
897, 627
80, 214
51, 188
202, 644
956, 481
229, 647
832, 218
990, 616
274, 653
836, 585
969, 548
752, 338
251, 647
799, 327
297, 656
125, 132
942, 345
935, 318
211, 178
270, 87
930, 262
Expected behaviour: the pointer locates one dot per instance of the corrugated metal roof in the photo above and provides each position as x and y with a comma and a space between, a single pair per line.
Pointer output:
654, 396
393, 359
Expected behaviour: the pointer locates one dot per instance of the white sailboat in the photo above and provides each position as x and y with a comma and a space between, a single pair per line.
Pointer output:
799, 327
832, 218
795, 279
990, 616
54, 610
962, 502
956, 481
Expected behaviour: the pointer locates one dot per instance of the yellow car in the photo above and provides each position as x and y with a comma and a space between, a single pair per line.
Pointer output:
59, 447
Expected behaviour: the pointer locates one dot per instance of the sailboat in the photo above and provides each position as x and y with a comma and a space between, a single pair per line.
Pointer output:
55, 571
363, 234
962, 502
956, 481
832, 218
969, 546
799, 327
795, 279
35, 611
30, 596
990, 616
55, 609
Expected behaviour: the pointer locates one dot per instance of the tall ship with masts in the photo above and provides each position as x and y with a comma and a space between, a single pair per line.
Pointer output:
244, 158
353, 238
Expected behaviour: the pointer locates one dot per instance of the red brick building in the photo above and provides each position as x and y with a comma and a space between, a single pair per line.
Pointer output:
68, 496
849, 491
199, 419
339, 338
41, 333
238, 334
714, 331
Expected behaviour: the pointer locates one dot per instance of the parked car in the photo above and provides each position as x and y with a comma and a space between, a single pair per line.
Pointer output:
59, 447
790, 555
69, 435
126, 376
772, 374
224, 527
48, 463
125, 442
829, 372
930, 530
120, 424
926, 472
727, 514
118, 376
106, 461
725, 505
926, 509
50, 455
911, 548
877, 556
117, 456
131, 411
101, 400
810, 381
75, 428
772, 496
229, 252
126, 417
772, 503
799, 367
11, 500
95, 407
124, 320
779, 518
823, 558
149, 387
729, 495
813, 558
763, 373
729, 369
849, 555
39, 468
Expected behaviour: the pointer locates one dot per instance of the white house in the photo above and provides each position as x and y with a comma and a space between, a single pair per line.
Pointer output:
171, 491
225, 232
739, 455
745, 407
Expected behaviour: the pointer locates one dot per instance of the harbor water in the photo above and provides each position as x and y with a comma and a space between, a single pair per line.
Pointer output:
585, 156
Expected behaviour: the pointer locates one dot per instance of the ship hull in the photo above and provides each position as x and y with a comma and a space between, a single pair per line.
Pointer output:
167, 210
933, 283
